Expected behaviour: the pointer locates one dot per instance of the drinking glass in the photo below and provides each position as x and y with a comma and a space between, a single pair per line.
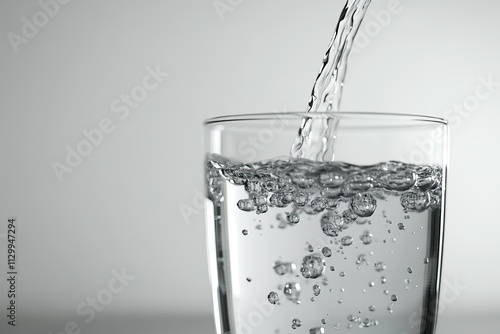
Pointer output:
312, 245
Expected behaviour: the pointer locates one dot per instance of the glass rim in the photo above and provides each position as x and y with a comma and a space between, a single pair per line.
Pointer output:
326, 115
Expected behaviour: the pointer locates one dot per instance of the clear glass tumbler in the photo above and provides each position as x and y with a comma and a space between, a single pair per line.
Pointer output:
303, 246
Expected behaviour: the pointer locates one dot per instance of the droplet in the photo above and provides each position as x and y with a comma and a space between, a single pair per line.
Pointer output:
273, 298
363, 205
386, 292
339, 301
310, 248
346, 241
316, 289
292, 292
394, 298
371, 308
312, 266
409, 270
349, 216
383, 279
407, 281
327, 252
401, 226
426, 260
372, 284
342, 274
249, 279
332, 268
380, 266
245, 232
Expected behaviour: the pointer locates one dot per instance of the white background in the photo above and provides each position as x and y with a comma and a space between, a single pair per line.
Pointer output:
121, 206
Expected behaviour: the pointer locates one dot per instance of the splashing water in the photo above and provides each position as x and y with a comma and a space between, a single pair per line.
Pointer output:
327, 90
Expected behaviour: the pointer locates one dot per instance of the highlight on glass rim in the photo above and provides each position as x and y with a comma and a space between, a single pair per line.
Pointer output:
331, 228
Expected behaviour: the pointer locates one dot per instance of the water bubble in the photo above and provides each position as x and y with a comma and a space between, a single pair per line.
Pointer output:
371, 284
361, 259
282, 268
300, 198
316, 289
273, 298
371, 308
312, 266
331, 224
426, 178
252, 186
292, 292
383, 279
401, 226
426, 260
409, 270
346, 241
334, 178
323, 321
317, 330
296, 323
349, 216
318, 204
380, 266
407, 281
293, 217
331, 204
310, 248
394, 298
400, 180
332, 268
259, 200
389, 308
327, 252
259, 227
363, 205
386, 292
249, 279
366, 238
245, 232
245, 205
324, 281
262, 208
342, 274
339, 301
417, 201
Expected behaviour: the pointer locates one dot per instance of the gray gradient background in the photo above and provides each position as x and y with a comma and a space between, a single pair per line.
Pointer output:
121, 207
